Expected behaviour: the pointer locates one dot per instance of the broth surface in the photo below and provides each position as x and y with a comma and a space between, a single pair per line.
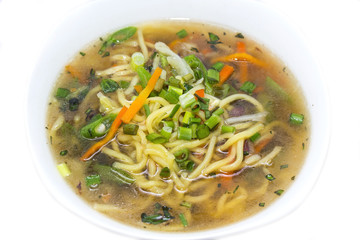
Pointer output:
217, 195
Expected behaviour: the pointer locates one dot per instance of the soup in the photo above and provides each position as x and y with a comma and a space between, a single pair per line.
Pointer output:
177, 126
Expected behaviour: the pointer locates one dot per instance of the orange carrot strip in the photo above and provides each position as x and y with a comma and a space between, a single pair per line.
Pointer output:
258, 89
225, 73
200, 92
258, 147
138, 88
240, 57
74, 72
138, 103
110, 135
241, 48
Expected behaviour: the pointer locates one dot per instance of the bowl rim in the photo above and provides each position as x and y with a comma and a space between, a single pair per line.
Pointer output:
83, 210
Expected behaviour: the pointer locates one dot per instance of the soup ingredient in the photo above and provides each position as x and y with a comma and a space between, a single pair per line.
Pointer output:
130, 129
63, 169
157, 218
225, 73
112, 174
183, 220
118, 37
109, 85
97, 128
296, 119
182, 33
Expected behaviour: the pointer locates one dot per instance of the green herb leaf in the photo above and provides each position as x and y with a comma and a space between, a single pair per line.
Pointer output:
182, 33
279, 192
108, 85
270, 177
213, 38
248, 87
255, 137
92, 180
262, 204
112, 174
239, 35
62, 93
156, 138
165, 172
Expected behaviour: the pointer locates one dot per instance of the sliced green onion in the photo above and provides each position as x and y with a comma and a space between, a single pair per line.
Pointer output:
279, 192
213, 121
173, 82
147, 110
237, 187
284, 166
169, 96
137, 60
130, 129
63, 169
227, 129
218, 111
156, 138
182, 33
166, 132
63, 152
144, 76
239, 35
195, 107
175, 90
182, 155
186, 100
188, 77
296, 119
108, 85
213, 38
183, 220
202, 131
174, 110
193, 127
213, 75
163, 60
195, 120
270, 177
82, 54
186, 118
255, 137
170, 124
186, 204
248, 87
218, 66
62, 93
184, 133
165, 172
92, 180
262, 204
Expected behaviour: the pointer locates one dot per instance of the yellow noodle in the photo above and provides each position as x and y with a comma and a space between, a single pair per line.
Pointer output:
118, 155
142, 44
236, 165
134, 168
215, 166
121, 98
268, 158
112, 70
245, 97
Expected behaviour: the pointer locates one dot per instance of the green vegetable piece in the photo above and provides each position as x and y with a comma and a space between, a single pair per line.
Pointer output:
108, 85
255, 137
74, 104
118, 37
200, 71
270, 177
184, 133
186, 204
296, 119
186, 118
227, 129
182, 155
92, 180
213, 121
276, 89
182, 33
165, 172
166, 132
124, 84
130, 129
248, 87
63, 152
183, 220
144, 76
147, 110
97, 128
171, 97
137, 60
186, 100
112, 174
279, 192
62, 93
174, 110
213, 75
157, 218
175, 90
213, 38
82, 54
262, 204
239, 35
218, 66
156, 138
202, 131
63, 169
218, 111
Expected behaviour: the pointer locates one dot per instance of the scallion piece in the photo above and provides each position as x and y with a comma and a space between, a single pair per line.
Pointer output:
137, 60
193, 127
170, 124
166, 132
124, 84
186, 118
213, 38
183, 220
82, 54
296, 119
174, 110
182, 33
156, 138
182, 155
171, 97
213, 75
62, 93
130, 129
92, 180
262, 204
184, 133
218, 111
165, 172
227, 129
218, 66
185, 204
248, 87
279, 192
186, 100
195, 107
213, 121
63, 169
255, 137
63, 152
270, 177
147, 110
195, 120
175, 90
108, 85
188, 77
202, 131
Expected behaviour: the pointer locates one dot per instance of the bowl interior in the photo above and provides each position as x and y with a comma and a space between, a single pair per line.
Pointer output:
254, 19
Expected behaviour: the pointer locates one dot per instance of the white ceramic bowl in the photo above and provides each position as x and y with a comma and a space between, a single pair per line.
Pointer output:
252, 18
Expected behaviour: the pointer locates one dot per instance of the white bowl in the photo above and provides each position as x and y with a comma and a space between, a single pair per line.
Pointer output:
252, 18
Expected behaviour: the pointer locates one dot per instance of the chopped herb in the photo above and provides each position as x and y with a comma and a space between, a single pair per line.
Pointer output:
293, 178
130, 129
183, 220
202, 131
82, 53
156, 138
92, 180
74, 104
296, 119
213, 38
184, 133
106, 54
237, 187
157, 218
194, 49
147, 110
262, 204
165, 172
255, 137
124, 84
174, 110
113, 174
284, 166
239, 35
182, 33
108, 85
248, 87
186, 204
63, 152
279, 192
270, 177
303, 146
62, 93
117, 37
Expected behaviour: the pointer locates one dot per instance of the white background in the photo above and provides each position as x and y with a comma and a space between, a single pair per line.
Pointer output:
331, 211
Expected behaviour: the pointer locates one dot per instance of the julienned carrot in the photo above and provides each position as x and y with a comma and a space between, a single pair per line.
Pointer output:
200, 93
138, 88
138, 103
238, 57
225, 73
110, 135
74, 72
241, 48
